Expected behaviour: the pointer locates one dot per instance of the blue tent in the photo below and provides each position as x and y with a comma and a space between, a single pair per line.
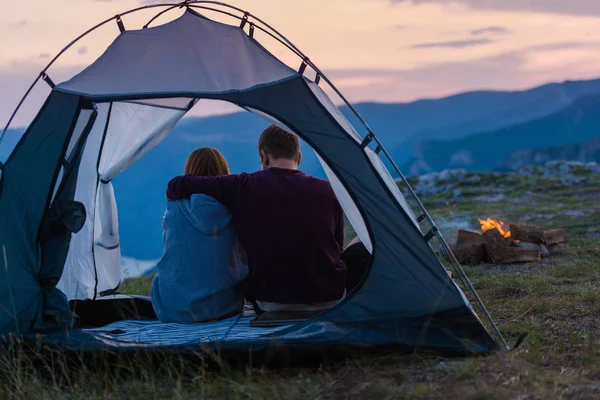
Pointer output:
58, 215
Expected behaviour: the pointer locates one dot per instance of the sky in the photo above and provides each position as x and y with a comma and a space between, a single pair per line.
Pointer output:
373, 50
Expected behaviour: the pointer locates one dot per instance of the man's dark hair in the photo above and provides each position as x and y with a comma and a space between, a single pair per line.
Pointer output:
279, 144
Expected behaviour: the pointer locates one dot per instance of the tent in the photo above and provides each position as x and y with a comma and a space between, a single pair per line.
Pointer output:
58, 215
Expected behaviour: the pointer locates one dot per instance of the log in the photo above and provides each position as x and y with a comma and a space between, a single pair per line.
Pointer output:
527, 233
470, 253
500, 251
468, 237
556, 236
542, 248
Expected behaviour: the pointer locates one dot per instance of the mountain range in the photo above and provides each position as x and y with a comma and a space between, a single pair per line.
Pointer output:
476, 130
577, 123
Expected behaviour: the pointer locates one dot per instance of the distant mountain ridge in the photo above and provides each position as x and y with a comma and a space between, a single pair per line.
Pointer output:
577, 123
460, 115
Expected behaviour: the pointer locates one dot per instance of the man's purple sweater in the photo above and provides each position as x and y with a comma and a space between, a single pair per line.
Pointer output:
291, 226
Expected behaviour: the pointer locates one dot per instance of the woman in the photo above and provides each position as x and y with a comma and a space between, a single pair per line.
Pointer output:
202, 265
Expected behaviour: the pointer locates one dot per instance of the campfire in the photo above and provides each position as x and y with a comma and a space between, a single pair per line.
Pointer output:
487, 224
501, 245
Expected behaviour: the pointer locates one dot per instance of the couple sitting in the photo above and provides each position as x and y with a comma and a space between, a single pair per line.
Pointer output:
291, 232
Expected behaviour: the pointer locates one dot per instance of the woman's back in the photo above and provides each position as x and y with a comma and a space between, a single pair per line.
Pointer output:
199, 274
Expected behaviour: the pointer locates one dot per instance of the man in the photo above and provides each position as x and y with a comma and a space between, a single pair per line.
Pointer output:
290, 224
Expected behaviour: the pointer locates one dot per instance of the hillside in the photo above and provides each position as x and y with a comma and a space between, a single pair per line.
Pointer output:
586, 152
575, 124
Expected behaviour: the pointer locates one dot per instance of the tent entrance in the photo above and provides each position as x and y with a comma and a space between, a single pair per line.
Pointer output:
124, 133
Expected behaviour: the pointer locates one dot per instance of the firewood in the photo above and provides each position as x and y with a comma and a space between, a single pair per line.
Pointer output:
500, 251
470, 253
542, 248
527, 233
468, 237
556, 236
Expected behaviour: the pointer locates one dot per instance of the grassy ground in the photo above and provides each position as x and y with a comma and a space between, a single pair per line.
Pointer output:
556, 300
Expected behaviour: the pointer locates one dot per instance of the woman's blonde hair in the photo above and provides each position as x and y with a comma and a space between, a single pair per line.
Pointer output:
206, 161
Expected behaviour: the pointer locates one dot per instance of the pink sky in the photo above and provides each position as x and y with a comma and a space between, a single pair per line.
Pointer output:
374, 50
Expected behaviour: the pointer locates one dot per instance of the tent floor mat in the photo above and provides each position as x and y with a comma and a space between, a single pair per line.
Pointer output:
161, 334
235, 334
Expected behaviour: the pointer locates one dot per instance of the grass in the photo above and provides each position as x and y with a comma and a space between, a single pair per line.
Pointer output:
137, 286
556, 301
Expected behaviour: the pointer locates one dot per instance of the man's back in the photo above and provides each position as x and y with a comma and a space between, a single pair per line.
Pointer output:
291, 226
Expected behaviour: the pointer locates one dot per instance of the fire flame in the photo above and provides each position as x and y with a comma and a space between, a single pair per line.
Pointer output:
490, 223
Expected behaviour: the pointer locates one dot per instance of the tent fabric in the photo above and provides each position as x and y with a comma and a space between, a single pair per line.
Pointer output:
78, 280
23, 206
191, 54
63, 218
350, 209
407, 298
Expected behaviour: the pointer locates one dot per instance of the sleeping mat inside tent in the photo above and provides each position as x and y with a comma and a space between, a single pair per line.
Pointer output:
237, 334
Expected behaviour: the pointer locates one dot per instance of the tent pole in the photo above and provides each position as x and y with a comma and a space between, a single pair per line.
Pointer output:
445, 246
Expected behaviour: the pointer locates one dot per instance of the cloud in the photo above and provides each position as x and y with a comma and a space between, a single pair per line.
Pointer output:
566, 7
44, 55
16, 24
455, 44
561, 46
510, 70
82, 50
490, 29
